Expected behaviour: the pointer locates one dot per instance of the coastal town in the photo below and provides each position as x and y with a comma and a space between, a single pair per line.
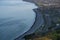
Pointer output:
50, 10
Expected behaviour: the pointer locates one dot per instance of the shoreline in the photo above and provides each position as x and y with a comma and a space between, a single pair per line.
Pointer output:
34, 26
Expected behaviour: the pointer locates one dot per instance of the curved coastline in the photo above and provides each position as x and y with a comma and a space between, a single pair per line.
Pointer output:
38, 22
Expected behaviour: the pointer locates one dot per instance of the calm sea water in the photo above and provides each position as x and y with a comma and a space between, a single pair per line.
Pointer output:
16, 18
